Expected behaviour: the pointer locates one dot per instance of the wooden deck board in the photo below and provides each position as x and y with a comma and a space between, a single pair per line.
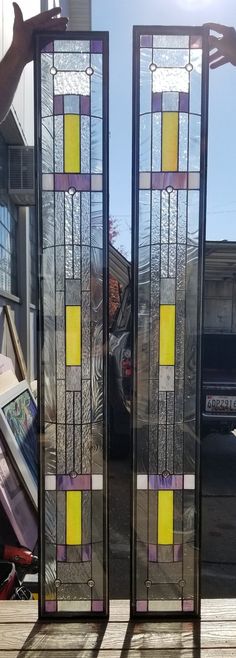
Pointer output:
22, 636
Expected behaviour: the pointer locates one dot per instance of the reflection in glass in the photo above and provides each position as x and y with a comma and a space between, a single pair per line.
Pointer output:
74, 133
168, 226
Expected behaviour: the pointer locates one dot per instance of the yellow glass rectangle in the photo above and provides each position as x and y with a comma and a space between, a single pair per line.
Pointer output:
73, 518
73, 335
165, 517
72, 143
170, 122
167, 335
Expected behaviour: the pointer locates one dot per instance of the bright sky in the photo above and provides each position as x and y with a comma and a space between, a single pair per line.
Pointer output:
118, 17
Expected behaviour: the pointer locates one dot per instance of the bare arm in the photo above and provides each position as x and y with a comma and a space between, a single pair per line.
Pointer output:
21, 51
222, 48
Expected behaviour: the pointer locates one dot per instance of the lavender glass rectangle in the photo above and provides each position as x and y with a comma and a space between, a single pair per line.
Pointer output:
188, 605
183, 102
146, 41
195, 41
85, 105
178, 552
58, 104
61, 553
50, 606
97, 606
152, 553
78, 483
170, 482
156, 101
48, 48
86, 553
141, 606
96, 46
81, 182
161, 180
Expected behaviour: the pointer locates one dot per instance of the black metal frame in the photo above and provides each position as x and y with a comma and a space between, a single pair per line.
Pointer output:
137, 32
40, 40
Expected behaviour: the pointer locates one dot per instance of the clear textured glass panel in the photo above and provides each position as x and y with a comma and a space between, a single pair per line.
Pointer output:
68, 218
72, 353
183, 141
171, 57
47, 145
170, 41
85, 145
144, 218
166, 323
96, 219
194, 142
196, 81
96, 86
48, 214
145, 143
156, 141
193, 216
96, 146
71, 61
59, 144
170, 101
170, 79
71, 82
47, 85
85, 218
145, 80
69, 46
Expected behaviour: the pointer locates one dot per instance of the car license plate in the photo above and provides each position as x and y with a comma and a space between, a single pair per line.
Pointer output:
220, 403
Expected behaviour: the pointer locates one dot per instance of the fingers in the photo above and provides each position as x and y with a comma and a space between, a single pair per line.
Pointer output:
60, 24
219, 62
18, 13
218, 27
214, 42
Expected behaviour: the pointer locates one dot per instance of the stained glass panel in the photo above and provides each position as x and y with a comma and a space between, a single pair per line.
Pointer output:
169, 161
72, 139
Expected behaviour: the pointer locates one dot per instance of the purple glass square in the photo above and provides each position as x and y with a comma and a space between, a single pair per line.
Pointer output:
161, 180
141, 606
178, 552
48, 48
183, 102
96, 46
97, 606
86, 553
170, 482
188, 605
85, 104
58, 104
63, 182
61, 553
156, 101
78, 483
152, 553
50, 606
146, 41
195, 42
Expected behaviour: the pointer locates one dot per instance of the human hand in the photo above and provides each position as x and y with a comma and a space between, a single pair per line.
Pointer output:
224, 45
23, 31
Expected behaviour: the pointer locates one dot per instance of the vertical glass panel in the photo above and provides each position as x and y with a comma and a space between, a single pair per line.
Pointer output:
167, 319
73, 337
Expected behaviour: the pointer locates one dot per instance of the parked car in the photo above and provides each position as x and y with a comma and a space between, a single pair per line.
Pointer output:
219, 382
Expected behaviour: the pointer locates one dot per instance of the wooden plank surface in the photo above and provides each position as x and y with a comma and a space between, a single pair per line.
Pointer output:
21, 632
78, 636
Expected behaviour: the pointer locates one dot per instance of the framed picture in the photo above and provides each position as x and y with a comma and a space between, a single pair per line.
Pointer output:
18, 414
16, 504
